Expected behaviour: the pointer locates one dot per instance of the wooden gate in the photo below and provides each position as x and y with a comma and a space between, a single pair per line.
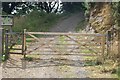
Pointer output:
14, 43
55, 43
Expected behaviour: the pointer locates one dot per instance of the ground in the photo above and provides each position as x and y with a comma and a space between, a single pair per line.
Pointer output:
53, 66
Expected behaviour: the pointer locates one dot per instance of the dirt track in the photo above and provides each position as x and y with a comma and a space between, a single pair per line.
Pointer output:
69, 24
50, 67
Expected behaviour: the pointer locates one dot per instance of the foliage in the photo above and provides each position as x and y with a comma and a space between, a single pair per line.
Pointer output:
81, 26
48, 7
28, 58
116, 12
73, 6
35, 21
23, 8
118, 72
4, 57
9, 6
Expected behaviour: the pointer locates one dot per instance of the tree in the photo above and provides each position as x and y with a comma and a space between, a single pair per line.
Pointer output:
22, 8
9, 6
73, 6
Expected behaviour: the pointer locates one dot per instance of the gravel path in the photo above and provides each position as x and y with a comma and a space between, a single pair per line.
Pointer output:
69, 24
49, 66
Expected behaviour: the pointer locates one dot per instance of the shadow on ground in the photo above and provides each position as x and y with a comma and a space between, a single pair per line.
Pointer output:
36, 63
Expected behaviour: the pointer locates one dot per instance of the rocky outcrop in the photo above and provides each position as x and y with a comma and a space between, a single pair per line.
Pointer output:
101, 18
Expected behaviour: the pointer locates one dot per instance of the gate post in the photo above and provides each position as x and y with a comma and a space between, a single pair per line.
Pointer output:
6, 45
119, 46
24, 43
1, 43
1, 38
24, 48
108, 42
103, 48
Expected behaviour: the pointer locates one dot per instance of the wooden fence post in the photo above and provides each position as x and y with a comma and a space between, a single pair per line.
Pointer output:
108, 42
0, 36
3, 40
24, 43
119, 46
103, 48
6, 45
1, 43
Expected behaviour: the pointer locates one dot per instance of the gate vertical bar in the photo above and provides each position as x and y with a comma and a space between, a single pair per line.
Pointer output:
1, 44
24, 43
119, 45
1, 41
103, 48
108, 42
6, 45
24, 48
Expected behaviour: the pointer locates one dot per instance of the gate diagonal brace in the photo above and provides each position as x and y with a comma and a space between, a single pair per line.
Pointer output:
34, 37
81, 44
38, 41
54, 48
59, 51
74, 47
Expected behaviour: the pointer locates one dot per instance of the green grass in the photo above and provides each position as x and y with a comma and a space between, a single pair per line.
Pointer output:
27, 58
81, 26
36, 21
86, 51
118, 73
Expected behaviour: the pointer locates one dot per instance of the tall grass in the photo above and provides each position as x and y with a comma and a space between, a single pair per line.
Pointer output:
118, 72
35, 21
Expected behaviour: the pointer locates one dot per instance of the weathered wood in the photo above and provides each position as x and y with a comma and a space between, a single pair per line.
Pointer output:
75, 44
82, 45
40, 46
15, 53
1, 50
91, 42
108, 42
1, 44
30, 39
77, 54
6, 44
16, 49
24, 43
42, 39
64, 47
34, 37
119, 46
103, 48
59, 51
0, 39
57, 33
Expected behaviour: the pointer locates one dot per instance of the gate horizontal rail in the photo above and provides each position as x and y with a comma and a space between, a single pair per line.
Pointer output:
57, 33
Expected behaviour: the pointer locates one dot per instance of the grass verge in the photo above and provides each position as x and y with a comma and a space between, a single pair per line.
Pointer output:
82, 24
36, 21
